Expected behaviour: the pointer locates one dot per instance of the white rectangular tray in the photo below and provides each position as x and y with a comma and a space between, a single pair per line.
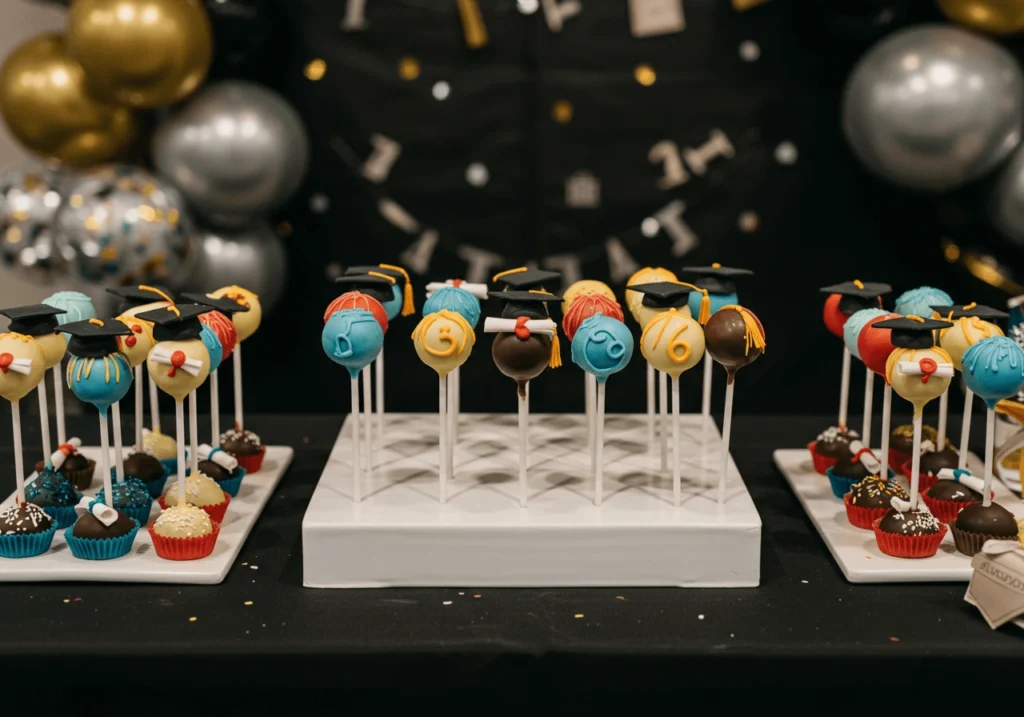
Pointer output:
142, 565
855, 549
401, 535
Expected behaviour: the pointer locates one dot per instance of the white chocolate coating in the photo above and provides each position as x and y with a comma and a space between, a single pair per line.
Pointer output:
181, 383
443, 341
914, 387
199, 490
14, 385
672, 342
183, 521
246, 322
964, 333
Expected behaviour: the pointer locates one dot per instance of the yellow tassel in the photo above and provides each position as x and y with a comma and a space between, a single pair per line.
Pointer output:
95, 322
162, 295
500, 274
754, 337
408, 305
556, 352
705, 309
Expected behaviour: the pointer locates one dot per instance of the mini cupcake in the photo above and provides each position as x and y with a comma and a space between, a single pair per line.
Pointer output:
201, 491
147, 469
25, 531
56, 495
245, 446
831, 444
184, 532
162, 447
906, 533
101, 532
901, 442
222, 467
131, 497
870, 500
953, 491
978, 522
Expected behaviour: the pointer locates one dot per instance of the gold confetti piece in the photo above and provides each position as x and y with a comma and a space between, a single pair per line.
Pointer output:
645, 75
247, 603
245, 563
749, 222
741, 5
578, 615
804, 582
472, 24
462, 593
193, 619
66, 600
408, 68
619, 597
562, 111
315, 70
478, 595
894, 639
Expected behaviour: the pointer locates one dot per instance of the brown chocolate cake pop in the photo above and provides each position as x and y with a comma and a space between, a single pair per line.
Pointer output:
144, 467
934, 461
734, 337
521, 360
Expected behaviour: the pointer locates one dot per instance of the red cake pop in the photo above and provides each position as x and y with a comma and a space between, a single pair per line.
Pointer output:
585, 306
359, 300
875, 345
224, 327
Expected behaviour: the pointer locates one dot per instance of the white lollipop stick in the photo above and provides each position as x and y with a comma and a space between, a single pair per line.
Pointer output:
58, 405
524, 417
844, 388
676, 479
118, 443
139, 408
193, 431
588, 407
380, 395
368, 415
179, 424
869, 399
705, 400
19, 455
650, 407
663, 409
598, 443
726, 436
450, 416
915, 461
108, 489
154, 406
591, 391
442, 437
965, 427
357, 478
238, 387
886, 422
214, 409
990, 438
44, 421
943, 416
456, 407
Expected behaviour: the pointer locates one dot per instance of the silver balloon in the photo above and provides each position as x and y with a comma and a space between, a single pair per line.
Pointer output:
121, 225
1006, 205
236, 150
252, 257
933, 107
30, 195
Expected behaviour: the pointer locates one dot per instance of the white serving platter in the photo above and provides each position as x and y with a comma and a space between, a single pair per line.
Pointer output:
854, 549
401, 535
142, 565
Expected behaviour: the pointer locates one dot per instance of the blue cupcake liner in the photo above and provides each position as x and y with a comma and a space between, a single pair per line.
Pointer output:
841, 486
232, 485
63, 515
156, 487
101, 548
26, 545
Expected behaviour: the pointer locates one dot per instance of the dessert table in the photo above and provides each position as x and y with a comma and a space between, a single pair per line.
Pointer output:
261, 630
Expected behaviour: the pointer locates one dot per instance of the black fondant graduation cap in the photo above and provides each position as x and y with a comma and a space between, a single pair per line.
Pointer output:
524, 303
34, 320
225, 305
715, 279
524, 279
401, 277
663, 294
176, 323
132, 296
94, 338
958, 311
379, 287
909, 333
395, 274
857, 295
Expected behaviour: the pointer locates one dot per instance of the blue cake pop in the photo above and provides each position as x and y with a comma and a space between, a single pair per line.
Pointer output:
452, 298
76, 305
855, 324
717, 301
602, 346
101, 381
213, 346
394, 305
994, 369
352, 338
919, 301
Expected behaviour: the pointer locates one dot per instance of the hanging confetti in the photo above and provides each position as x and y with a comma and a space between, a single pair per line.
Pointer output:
621, 265
477, 174
670, 218
556, 12
441, 90
472, 24
568, 265
409, 68
717, 146
750, 51
319, 203
481, 263
561, 111
527, 7
315, 70
417, 257
674, 173
390, 210
649, 18
385, 153
582, 191
748, 222
649, 227
786, 153
645, 75
355, 15
742, 5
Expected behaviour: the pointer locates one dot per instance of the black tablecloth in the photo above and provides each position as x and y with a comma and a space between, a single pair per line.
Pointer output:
805, 623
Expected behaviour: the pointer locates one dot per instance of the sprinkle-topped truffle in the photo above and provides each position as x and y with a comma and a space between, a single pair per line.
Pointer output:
910, 522
873, 492
24, 518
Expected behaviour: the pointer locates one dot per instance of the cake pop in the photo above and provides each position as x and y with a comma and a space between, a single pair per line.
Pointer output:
993, 368
585, 287
399, 301
101, 532
650, 275
359, 300
523, 348
735, 338
919, 301
919, 372
77, 307
222, 467
851, 334
352, 338
443, 341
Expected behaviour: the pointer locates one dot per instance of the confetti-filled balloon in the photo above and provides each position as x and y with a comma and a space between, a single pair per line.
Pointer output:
602, 346
855, 324
173, 379
585, 287
22, 366
919, 301
137, 346
923, 385
647, 275
29, 198
735, 338
252, 256
994, 369
874, 346
443, 341
964, 333
225, 330
100, 381
213, 346
359, 300
246, 322
452, 298
672, 342
586, 306
352, 338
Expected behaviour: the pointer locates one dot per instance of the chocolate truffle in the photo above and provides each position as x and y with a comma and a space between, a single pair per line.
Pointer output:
835, 442
727, 340
912, 522
129, 493
873, 492
953, 490
519, 359
994, 520
75, 462
144, 467
51, 489
240, 443
23, 519
90, 527
214, 470
934, 461
847, 467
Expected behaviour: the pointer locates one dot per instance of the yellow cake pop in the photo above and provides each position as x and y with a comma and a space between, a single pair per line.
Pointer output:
136, 310
964, 333
246, 322
443, 341
582, 288
919, 387
53, 347
137, 346
180, 362
672, 342
22, 365
647, 275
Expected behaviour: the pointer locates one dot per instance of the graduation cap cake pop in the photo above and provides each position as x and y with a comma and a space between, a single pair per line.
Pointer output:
133, 297
400, 301
524, 279
719, 281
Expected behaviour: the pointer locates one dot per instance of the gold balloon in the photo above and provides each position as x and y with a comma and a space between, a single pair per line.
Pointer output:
1000, 17
44, 102
141, 53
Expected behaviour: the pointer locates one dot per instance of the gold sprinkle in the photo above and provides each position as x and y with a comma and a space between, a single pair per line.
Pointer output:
409, 68
645, 75
92, 223
193, 619
315, 69
578, 615
147, 213
76, 200
13, 235
245, 563
561, 111
66, 601
247, 603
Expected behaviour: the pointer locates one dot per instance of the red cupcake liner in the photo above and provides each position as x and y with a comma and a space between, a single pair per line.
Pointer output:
216, 512
821, 463
924, 482
946, 510
898, 458
861, 517
908, 546
252, 463
184, 548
